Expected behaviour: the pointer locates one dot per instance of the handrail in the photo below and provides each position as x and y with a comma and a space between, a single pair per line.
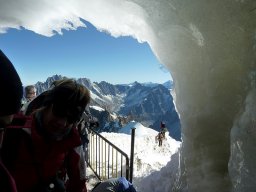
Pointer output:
103, 155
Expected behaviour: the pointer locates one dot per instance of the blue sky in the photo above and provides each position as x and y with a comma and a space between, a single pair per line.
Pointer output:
84, 52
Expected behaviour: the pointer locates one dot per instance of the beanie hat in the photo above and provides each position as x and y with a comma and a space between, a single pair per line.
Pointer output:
11, 87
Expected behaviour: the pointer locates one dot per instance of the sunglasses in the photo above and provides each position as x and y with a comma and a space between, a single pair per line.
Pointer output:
73, 115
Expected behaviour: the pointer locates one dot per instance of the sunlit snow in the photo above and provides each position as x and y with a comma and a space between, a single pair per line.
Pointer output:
149, 159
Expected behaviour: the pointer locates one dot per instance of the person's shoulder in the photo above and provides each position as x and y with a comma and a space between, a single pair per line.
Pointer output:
21, 125
21, 121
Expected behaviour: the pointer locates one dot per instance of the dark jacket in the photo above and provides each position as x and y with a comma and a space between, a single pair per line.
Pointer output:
35, 161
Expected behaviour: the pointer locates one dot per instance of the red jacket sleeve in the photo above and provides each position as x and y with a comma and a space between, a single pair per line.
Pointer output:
76, 171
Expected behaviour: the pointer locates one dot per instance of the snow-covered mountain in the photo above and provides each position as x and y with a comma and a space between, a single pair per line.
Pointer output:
147, 103
168, 84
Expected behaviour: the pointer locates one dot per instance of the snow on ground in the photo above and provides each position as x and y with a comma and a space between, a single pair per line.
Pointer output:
153, 165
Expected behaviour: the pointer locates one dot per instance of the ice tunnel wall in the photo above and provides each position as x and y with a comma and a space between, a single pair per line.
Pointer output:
209, 48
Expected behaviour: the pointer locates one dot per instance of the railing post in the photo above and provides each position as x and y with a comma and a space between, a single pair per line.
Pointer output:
132, 153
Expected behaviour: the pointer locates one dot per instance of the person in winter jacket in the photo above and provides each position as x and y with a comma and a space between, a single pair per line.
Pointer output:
159, 138
10, 103
114, 185
163, 128
49, 145
30, 94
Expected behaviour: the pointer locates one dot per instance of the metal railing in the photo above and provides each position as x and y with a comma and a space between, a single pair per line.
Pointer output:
105, 159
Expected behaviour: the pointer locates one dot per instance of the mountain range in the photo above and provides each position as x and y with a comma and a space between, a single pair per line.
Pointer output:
116, 105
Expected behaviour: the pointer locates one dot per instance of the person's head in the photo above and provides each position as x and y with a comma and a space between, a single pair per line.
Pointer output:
11, 94
64, 105
11, 91
30, 92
